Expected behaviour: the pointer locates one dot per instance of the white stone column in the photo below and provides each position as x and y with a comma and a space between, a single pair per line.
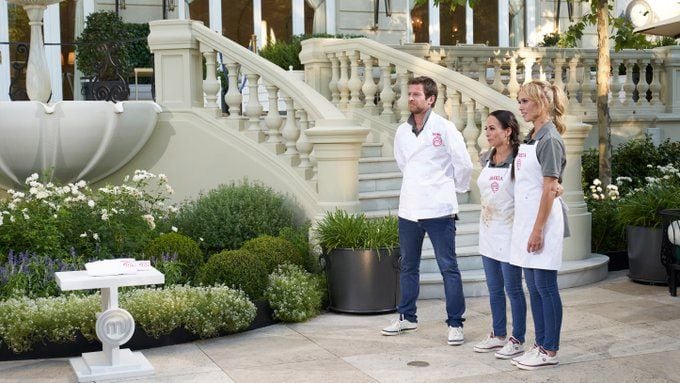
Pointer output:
258, 25
4, 53
215, 15
469, 25
409, 26
298, 17
530, 27
577, 246
433, 23
330, 17
503, 23
182, 8
52, 31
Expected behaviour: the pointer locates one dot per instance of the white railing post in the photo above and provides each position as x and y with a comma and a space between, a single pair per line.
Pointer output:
343, 87
354, 83
233, 98
335, 76
386, 94
369, 87
254, 108
273, 120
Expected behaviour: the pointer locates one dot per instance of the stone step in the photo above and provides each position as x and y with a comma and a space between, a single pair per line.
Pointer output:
377, 165
371, 149
468, 259
467, 213
572, 274
370, 182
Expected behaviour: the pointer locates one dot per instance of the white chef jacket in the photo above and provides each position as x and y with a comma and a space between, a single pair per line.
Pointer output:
435, 165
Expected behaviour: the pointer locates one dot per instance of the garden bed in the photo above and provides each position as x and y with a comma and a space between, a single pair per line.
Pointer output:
139, 341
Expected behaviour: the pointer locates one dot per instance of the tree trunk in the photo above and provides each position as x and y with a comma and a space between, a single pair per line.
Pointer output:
603, 73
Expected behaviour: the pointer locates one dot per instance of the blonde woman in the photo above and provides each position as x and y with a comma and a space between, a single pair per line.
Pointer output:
539, 224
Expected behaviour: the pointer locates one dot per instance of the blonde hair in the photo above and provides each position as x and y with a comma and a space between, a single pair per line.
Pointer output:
550, 99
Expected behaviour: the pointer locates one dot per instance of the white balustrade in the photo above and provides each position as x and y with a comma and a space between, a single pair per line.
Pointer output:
233, 98
369, 88
354, 83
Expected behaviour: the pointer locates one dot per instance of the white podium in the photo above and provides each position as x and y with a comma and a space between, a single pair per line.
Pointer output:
114, 327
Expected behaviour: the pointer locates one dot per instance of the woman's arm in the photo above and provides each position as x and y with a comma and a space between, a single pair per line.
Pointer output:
550, 186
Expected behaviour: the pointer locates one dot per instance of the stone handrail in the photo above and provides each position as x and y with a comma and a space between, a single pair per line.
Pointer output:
505, 69
309, 124
346, 62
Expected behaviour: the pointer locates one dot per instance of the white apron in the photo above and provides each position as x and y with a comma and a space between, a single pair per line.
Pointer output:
528, 191
495, 221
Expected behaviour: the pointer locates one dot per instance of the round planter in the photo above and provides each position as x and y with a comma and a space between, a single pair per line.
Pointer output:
644, 255
363, 281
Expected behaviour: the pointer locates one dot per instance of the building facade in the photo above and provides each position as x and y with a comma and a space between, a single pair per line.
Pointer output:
255, 22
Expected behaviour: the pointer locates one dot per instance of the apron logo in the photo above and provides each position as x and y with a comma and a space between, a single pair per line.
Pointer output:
494, 186
518, 162
437, 140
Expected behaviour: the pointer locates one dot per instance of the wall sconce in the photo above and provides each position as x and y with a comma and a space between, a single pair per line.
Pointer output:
171, 5
71, 58
122, 4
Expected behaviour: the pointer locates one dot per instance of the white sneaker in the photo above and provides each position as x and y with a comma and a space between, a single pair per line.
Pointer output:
511, 349
532, 352
538, 361
399, 326
456, 337
490, 344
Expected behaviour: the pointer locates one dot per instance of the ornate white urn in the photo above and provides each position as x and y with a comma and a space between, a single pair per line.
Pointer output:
38, 84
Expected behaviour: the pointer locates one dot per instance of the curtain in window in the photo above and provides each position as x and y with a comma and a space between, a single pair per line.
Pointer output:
319, 7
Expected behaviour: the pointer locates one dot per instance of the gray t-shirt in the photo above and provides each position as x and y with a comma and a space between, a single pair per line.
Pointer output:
552, 155
550, 150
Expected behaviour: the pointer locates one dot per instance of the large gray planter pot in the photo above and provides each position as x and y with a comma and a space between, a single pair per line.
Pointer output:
644, 255
363, 281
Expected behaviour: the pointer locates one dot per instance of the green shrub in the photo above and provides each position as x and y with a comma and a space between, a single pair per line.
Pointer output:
284, 53
25, 321
189, 255
293, 294
226, 217
204, 311
300, 238
51, 219
140, 55
238, 269
100, 28
275, 251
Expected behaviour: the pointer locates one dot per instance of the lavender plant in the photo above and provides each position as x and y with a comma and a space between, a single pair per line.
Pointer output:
32, 275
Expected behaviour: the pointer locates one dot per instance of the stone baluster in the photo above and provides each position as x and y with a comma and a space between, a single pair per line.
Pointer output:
304, 146
481, 69
456, 115
343, 81
369, 88
254, 108
482, 142
528, 64
471, 132
513, 84
615, 84
628, 85
589, 86
558, 63
450, 61
233, 98
335, 76
290, 132
441, 99
661, 73
572, 83
273, 120
211, 86
497, 81
386, 94
354, 83
655, 86
540, 62
402, 103
465, 66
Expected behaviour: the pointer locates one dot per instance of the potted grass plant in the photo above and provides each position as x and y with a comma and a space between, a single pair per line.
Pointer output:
639, 215
361, 261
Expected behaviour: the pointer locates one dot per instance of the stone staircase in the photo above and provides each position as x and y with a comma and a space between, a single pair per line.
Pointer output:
379, 186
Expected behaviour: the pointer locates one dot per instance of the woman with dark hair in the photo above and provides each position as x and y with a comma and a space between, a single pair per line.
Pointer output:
496, 186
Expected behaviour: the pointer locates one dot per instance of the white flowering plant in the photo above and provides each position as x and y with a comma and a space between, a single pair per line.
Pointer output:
294, 294
204, 311
52, 219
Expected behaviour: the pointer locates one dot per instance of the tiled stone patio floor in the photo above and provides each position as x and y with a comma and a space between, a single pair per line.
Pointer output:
613, 331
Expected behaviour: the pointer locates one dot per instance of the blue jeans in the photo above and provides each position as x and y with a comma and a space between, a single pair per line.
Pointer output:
503, 278
442, 232
546, 306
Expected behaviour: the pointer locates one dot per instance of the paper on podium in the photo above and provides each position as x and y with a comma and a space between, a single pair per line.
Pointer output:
120, 266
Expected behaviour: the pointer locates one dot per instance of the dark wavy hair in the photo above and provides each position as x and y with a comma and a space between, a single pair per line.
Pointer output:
509, 121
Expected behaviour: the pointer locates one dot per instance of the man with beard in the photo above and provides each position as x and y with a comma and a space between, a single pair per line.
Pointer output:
435, 165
